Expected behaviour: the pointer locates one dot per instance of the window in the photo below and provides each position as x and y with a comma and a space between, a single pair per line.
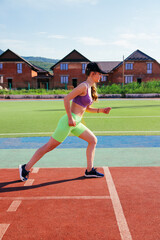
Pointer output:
103, 78
129, 66
1, 79
1, 66
64, 79
149, 67
128, 79
19, 67
83, 68
64, 66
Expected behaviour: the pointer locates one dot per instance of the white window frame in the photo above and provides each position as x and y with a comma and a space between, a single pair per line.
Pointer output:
1, 66
84, 68
104, 78
64, 66
1, 79
64, 79
149, 68
19, 67
128, 66
128, 78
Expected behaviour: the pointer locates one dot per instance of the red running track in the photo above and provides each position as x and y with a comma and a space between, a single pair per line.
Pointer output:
61, 204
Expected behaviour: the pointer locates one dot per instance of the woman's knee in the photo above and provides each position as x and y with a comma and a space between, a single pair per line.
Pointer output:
52, 143
93, 140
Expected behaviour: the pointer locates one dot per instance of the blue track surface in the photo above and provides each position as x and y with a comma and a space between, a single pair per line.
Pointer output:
74, 142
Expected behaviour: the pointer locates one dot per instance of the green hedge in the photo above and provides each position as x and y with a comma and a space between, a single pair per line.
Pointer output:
144, 87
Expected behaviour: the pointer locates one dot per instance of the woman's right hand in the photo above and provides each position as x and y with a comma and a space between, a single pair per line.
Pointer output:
71, 122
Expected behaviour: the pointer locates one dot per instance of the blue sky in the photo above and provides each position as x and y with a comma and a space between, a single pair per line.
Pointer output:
102, 30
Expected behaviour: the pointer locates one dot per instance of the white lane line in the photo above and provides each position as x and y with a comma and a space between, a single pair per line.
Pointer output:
39, 133
35, 170
14, 206
29, 182
55, 198
121, 220
108, 117
126, 131
48, 133
3, 229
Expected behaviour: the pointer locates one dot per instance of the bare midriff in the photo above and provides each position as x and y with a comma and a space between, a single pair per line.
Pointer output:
77, 109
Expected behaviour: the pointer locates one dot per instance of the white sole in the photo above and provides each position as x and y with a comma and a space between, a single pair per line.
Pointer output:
92, 176
20, 173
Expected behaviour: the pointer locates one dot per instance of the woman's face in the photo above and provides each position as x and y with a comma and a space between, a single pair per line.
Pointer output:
96, 76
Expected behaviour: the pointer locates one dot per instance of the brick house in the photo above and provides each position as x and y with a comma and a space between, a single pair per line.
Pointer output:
69, 71
16, 72
138, 67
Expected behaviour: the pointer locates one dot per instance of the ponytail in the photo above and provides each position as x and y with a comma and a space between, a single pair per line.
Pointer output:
94, 92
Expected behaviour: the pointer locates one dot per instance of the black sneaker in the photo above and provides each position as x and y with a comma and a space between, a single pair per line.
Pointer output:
24, 175
93, 173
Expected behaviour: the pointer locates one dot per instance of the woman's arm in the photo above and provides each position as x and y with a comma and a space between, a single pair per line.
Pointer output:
98, 110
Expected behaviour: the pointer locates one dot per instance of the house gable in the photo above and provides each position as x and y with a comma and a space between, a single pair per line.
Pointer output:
73, 56
9, 56
136, 56
139, 56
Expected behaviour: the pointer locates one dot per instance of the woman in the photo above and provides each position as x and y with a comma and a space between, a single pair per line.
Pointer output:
82, 97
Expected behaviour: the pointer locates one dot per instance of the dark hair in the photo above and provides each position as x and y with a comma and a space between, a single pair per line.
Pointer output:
93, 67
93, 88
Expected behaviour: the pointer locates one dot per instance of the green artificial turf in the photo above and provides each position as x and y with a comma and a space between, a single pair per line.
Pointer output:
40, 118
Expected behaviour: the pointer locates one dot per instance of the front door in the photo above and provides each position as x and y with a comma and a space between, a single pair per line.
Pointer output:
74, 82
43, 84
9, 83
139, 80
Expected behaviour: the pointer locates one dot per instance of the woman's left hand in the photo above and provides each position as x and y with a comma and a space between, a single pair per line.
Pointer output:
106, 110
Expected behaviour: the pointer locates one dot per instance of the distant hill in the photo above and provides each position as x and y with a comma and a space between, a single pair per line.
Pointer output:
45, 63
41, 59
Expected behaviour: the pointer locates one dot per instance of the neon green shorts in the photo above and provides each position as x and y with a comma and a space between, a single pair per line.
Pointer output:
63, 129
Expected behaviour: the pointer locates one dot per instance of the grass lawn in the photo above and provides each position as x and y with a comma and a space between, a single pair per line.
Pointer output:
40, 118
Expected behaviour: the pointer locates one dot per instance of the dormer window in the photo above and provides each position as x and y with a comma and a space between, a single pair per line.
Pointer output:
129, 66
64, 66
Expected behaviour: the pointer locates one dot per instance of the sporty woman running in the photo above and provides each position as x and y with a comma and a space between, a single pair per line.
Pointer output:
82, 97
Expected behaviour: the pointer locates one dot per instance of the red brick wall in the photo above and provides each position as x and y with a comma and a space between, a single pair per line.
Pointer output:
74, 71
139, 71
19, 80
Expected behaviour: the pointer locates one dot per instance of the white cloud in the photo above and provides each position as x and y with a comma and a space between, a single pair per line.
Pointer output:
57, 36
90, 41
130, 40
92, 2
48, 3
11, 41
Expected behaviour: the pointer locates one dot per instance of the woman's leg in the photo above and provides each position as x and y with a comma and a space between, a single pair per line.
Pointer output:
50, 145
89, 137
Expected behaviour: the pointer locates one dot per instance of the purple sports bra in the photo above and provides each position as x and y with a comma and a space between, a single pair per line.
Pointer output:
83, 101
